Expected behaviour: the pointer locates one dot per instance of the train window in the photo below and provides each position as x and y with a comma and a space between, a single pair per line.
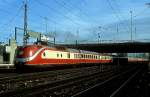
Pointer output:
104, 57
44, 54
100, 57
68, 55
57, 55
81, 55
61, 55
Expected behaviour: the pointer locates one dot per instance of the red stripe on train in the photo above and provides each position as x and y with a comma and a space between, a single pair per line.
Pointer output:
65, 61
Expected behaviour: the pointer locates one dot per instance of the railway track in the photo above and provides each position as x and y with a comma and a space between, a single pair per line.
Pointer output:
111, 87
135, 86
57, 88
56, 83
26, 81
62, 83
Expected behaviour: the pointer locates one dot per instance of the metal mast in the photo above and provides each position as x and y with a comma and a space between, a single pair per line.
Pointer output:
25, 23
46, 23
117, 33
131, 27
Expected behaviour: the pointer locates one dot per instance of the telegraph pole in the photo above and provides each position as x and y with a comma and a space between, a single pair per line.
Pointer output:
25, 38
135, 33
77, 35
99, 34
117, 32
98, 37
46, 23
131, 26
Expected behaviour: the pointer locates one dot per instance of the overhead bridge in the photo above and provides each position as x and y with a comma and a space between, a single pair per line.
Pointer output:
130, 47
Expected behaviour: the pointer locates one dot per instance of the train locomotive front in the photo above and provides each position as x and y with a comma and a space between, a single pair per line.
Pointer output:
27, 56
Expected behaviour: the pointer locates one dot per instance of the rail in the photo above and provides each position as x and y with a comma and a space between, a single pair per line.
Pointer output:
8, 84
128, 87
104, 92
49, 86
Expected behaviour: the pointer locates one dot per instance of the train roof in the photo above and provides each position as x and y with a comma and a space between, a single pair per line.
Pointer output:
64, 49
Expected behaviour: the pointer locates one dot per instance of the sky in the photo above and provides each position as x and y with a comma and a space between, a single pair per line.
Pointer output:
82, 20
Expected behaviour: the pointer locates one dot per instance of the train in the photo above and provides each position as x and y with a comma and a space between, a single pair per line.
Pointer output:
45, 56
42, 56
138, 57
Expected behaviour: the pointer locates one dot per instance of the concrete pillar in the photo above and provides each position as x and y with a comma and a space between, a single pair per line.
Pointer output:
13, 46
1, 54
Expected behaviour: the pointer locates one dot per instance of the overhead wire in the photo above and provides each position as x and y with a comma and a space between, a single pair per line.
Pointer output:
13, 18
64, 4
117, 15
7, 25
49, 20
83, 1
42, 17
5, 11
56, 11
140, 13
69, 5
122, 18
11, 4
35, 14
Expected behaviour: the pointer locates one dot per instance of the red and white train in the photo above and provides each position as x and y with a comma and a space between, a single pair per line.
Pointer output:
45, 56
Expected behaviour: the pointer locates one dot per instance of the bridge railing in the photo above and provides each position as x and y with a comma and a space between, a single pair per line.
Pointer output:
101, 41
